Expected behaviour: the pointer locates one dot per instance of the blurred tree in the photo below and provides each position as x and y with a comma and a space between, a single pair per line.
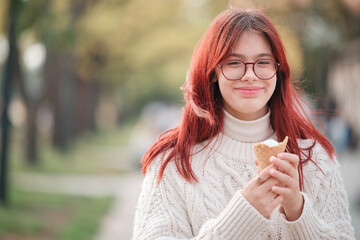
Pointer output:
53, 22
32, 96
147, 47
59, 36
3, 14
31, 101
7, 90
134, 51
323, 26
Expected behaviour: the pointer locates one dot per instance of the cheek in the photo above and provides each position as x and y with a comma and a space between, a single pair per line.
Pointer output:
272, 86
224, 88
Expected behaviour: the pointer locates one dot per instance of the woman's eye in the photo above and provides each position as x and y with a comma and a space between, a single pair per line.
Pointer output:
263, 62
233, 63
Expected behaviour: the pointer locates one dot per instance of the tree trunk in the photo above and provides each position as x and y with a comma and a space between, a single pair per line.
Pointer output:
61, 91
88, 97
7, 90
32, 134
52, 79
31, 147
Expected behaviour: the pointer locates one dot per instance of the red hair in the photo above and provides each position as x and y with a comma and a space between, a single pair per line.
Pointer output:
203, 113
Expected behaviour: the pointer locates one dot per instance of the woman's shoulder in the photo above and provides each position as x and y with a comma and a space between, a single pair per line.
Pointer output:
159, 160
199, 153
318, 154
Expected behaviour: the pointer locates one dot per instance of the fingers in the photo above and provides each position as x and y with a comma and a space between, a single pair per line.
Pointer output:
266, 186
263, 175
291, 158
286, 190
264, 201
265, 181
288, 175
285, 166
292, 202
281, 190
259, 194
283, 178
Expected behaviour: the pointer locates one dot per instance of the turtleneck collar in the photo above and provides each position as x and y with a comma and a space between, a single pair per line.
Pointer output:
247, 131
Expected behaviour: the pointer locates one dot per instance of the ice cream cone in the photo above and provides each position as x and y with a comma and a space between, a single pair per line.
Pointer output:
263, 152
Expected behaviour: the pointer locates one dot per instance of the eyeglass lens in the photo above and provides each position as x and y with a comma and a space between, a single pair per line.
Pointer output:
263, 69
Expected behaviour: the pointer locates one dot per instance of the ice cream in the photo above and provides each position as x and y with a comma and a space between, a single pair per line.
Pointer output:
263, 151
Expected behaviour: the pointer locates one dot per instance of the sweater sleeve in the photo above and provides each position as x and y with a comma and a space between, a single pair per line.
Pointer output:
326, 210
162, 214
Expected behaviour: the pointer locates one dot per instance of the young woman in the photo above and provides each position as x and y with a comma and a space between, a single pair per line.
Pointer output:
201, 180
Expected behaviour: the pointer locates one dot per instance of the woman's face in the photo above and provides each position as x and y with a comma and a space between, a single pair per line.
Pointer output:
247, 98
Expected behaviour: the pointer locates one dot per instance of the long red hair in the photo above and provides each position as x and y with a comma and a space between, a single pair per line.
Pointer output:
203, 113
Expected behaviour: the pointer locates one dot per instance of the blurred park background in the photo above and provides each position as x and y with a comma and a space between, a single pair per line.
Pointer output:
88, 85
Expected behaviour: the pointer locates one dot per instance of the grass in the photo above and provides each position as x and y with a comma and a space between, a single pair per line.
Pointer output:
51, 216
85, 223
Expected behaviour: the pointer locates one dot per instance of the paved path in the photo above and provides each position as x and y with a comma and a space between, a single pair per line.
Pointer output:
118, 223
82, 184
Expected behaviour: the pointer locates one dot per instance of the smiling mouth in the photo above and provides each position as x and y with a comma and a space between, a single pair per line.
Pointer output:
249, 91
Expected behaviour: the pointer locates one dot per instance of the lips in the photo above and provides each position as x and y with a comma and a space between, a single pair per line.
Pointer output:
249, 90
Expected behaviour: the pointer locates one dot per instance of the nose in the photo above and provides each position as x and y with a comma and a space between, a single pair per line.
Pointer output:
249, 73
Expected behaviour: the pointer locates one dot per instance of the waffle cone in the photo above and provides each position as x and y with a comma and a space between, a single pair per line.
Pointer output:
263, 152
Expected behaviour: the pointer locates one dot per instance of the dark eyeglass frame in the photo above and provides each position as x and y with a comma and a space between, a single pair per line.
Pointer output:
253, 68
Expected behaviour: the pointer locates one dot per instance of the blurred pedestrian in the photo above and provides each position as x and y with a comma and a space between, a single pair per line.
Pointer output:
201, 181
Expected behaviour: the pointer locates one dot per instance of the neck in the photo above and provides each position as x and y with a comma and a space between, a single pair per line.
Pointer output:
247, 131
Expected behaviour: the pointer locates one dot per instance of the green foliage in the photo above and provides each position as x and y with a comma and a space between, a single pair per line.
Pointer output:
3, 16
137, 50
146, 47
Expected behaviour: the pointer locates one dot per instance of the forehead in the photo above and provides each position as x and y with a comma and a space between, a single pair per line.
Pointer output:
251, 44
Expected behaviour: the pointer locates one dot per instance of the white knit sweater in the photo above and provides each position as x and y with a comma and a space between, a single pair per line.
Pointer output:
214, 208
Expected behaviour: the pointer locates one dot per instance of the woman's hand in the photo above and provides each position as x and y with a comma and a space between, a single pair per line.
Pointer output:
285, 170
259, 194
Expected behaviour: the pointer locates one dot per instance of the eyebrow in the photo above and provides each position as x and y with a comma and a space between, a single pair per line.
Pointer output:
258, 55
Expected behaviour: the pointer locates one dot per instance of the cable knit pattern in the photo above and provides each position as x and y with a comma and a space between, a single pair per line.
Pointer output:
214, 207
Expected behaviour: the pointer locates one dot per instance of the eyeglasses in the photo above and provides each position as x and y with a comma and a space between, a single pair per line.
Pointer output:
264, 69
